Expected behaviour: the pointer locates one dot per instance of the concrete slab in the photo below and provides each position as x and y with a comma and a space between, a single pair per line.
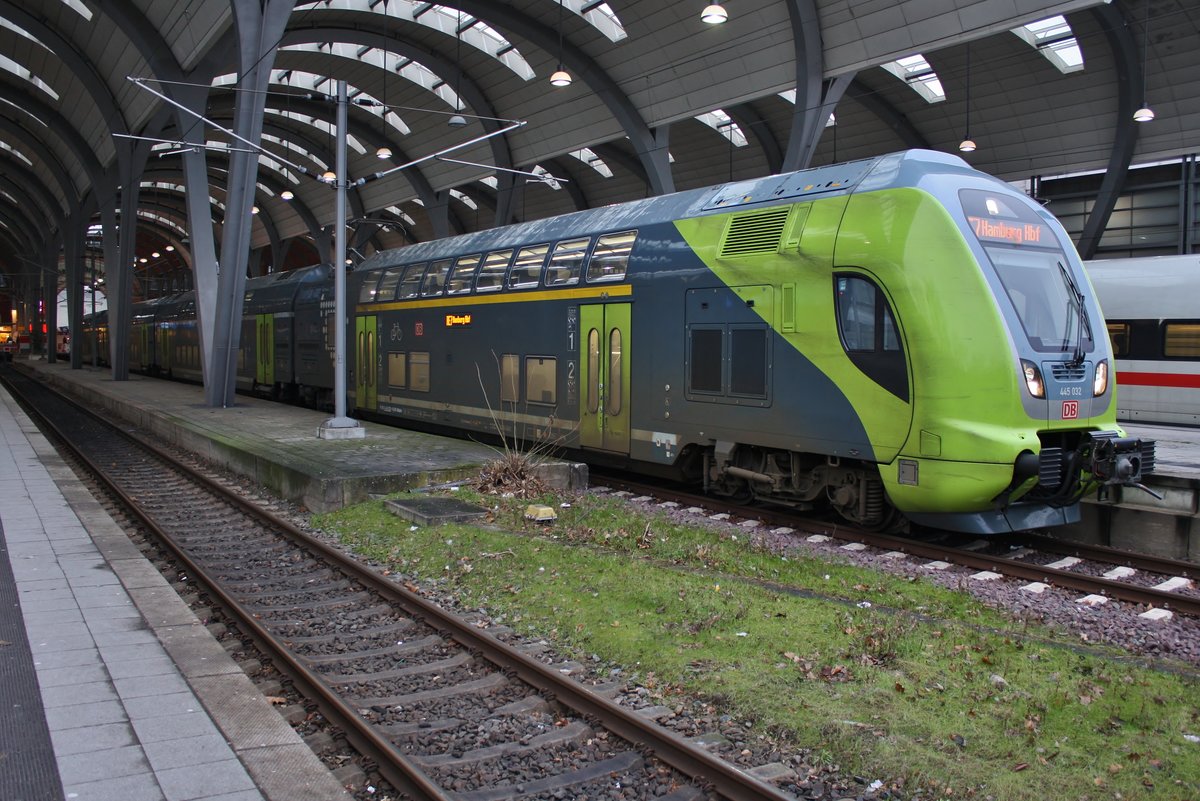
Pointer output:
276, 445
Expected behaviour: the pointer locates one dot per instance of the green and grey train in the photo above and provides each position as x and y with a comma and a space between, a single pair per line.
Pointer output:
897, 338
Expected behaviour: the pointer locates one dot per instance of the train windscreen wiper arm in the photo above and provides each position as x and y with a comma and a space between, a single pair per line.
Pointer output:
1077, 356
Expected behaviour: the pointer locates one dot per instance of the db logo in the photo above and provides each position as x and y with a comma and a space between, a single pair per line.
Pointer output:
1070, 410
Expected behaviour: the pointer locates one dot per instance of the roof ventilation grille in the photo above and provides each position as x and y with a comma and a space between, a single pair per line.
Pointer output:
755, 232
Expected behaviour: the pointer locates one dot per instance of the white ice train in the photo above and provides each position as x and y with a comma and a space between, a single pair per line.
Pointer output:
1152, 307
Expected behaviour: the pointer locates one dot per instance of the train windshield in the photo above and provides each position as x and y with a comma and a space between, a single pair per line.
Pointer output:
1046, 300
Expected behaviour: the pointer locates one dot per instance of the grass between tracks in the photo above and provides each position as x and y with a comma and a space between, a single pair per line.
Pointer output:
888, 677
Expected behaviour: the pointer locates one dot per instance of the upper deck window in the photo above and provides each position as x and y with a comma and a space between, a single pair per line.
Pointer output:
527, 269
464, 272
610, 258
410, 286
435, 278
491, 274
566, 262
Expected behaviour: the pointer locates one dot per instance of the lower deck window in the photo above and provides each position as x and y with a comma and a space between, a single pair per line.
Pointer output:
748, 362
397, 370
541, 379
418, 370
706, 359
510, 377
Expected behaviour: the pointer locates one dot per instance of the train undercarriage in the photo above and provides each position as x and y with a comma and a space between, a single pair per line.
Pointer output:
802, 481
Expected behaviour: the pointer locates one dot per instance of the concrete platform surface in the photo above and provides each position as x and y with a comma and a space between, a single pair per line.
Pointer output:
274, 444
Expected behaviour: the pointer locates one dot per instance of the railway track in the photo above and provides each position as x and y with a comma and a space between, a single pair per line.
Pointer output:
1097, 572
443, 709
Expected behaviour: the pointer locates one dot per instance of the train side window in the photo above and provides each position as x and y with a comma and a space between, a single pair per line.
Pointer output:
387, 285
748, 362
869, 333
593, 371
527, 268
435, 278
418, 371
856, 313
366, 293
510, 378
566, 262
464, 271
541, 379
1118, 334
1181, 340
612, 395
706, 356
410, 286
610, 257
397, 370
491, 274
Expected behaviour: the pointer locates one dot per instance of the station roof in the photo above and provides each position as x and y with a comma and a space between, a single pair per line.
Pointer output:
1044, 88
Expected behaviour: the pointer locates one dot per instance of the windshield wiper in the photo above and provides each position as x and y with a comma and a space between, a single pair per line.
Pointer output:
1077, 356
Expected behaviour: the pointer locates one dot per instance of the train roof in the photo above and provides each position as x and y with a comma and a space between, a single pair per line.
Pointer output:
1147, 288
904, 168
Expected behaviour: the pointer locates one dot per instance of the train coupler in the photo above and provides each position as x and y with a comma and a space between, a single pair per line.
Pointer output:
1115, 460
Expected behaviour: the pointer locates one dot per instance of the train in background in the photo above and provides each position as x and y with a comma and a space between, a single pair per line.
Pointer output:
1152, 310
899, 338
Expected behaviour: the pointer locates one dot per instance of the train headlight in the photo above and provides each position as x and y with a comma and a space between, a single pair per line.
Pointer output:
1100, 383
1033, 379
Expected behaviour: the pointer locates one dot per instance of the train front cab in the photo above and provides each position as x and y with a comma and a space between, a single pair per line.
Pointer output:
1015, 418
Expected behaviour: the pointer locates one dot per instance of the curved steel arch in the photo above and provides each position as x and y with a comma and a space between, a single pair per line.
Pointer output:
651, 152
32, 190
69, 53
48, 158
749, 120
1129, 76
888, 114
60, 128
447, 70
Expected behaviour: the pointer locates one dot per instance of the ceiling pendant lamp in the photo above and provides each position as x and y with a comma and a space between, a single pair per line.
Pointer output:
383, 151
287, 194
714, 14
457, 120
1145, 113
967, 145
560, 77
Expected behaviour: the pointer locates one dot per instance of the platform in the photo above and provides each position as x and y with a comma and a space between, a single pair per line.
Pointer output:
276, 445
112, 689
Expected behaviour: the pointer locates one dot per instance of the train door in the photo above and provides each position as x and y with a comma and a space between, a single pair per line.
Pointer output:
365, 373
166, 347
264, 349
604, 399
145, 337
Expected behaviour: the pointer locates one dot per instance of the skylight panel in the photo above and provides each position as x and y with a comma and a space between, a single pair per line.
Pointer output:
79, 8
546, 177
401, 214
20, 31
720, 122
6, 146
1053, 38
592, 160
600, 16
917, 73
464, 199
790, 96
9, 65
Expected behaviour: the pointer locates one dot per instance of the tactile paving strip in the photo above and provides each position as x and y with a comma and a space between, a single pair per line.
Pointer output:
28, 770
